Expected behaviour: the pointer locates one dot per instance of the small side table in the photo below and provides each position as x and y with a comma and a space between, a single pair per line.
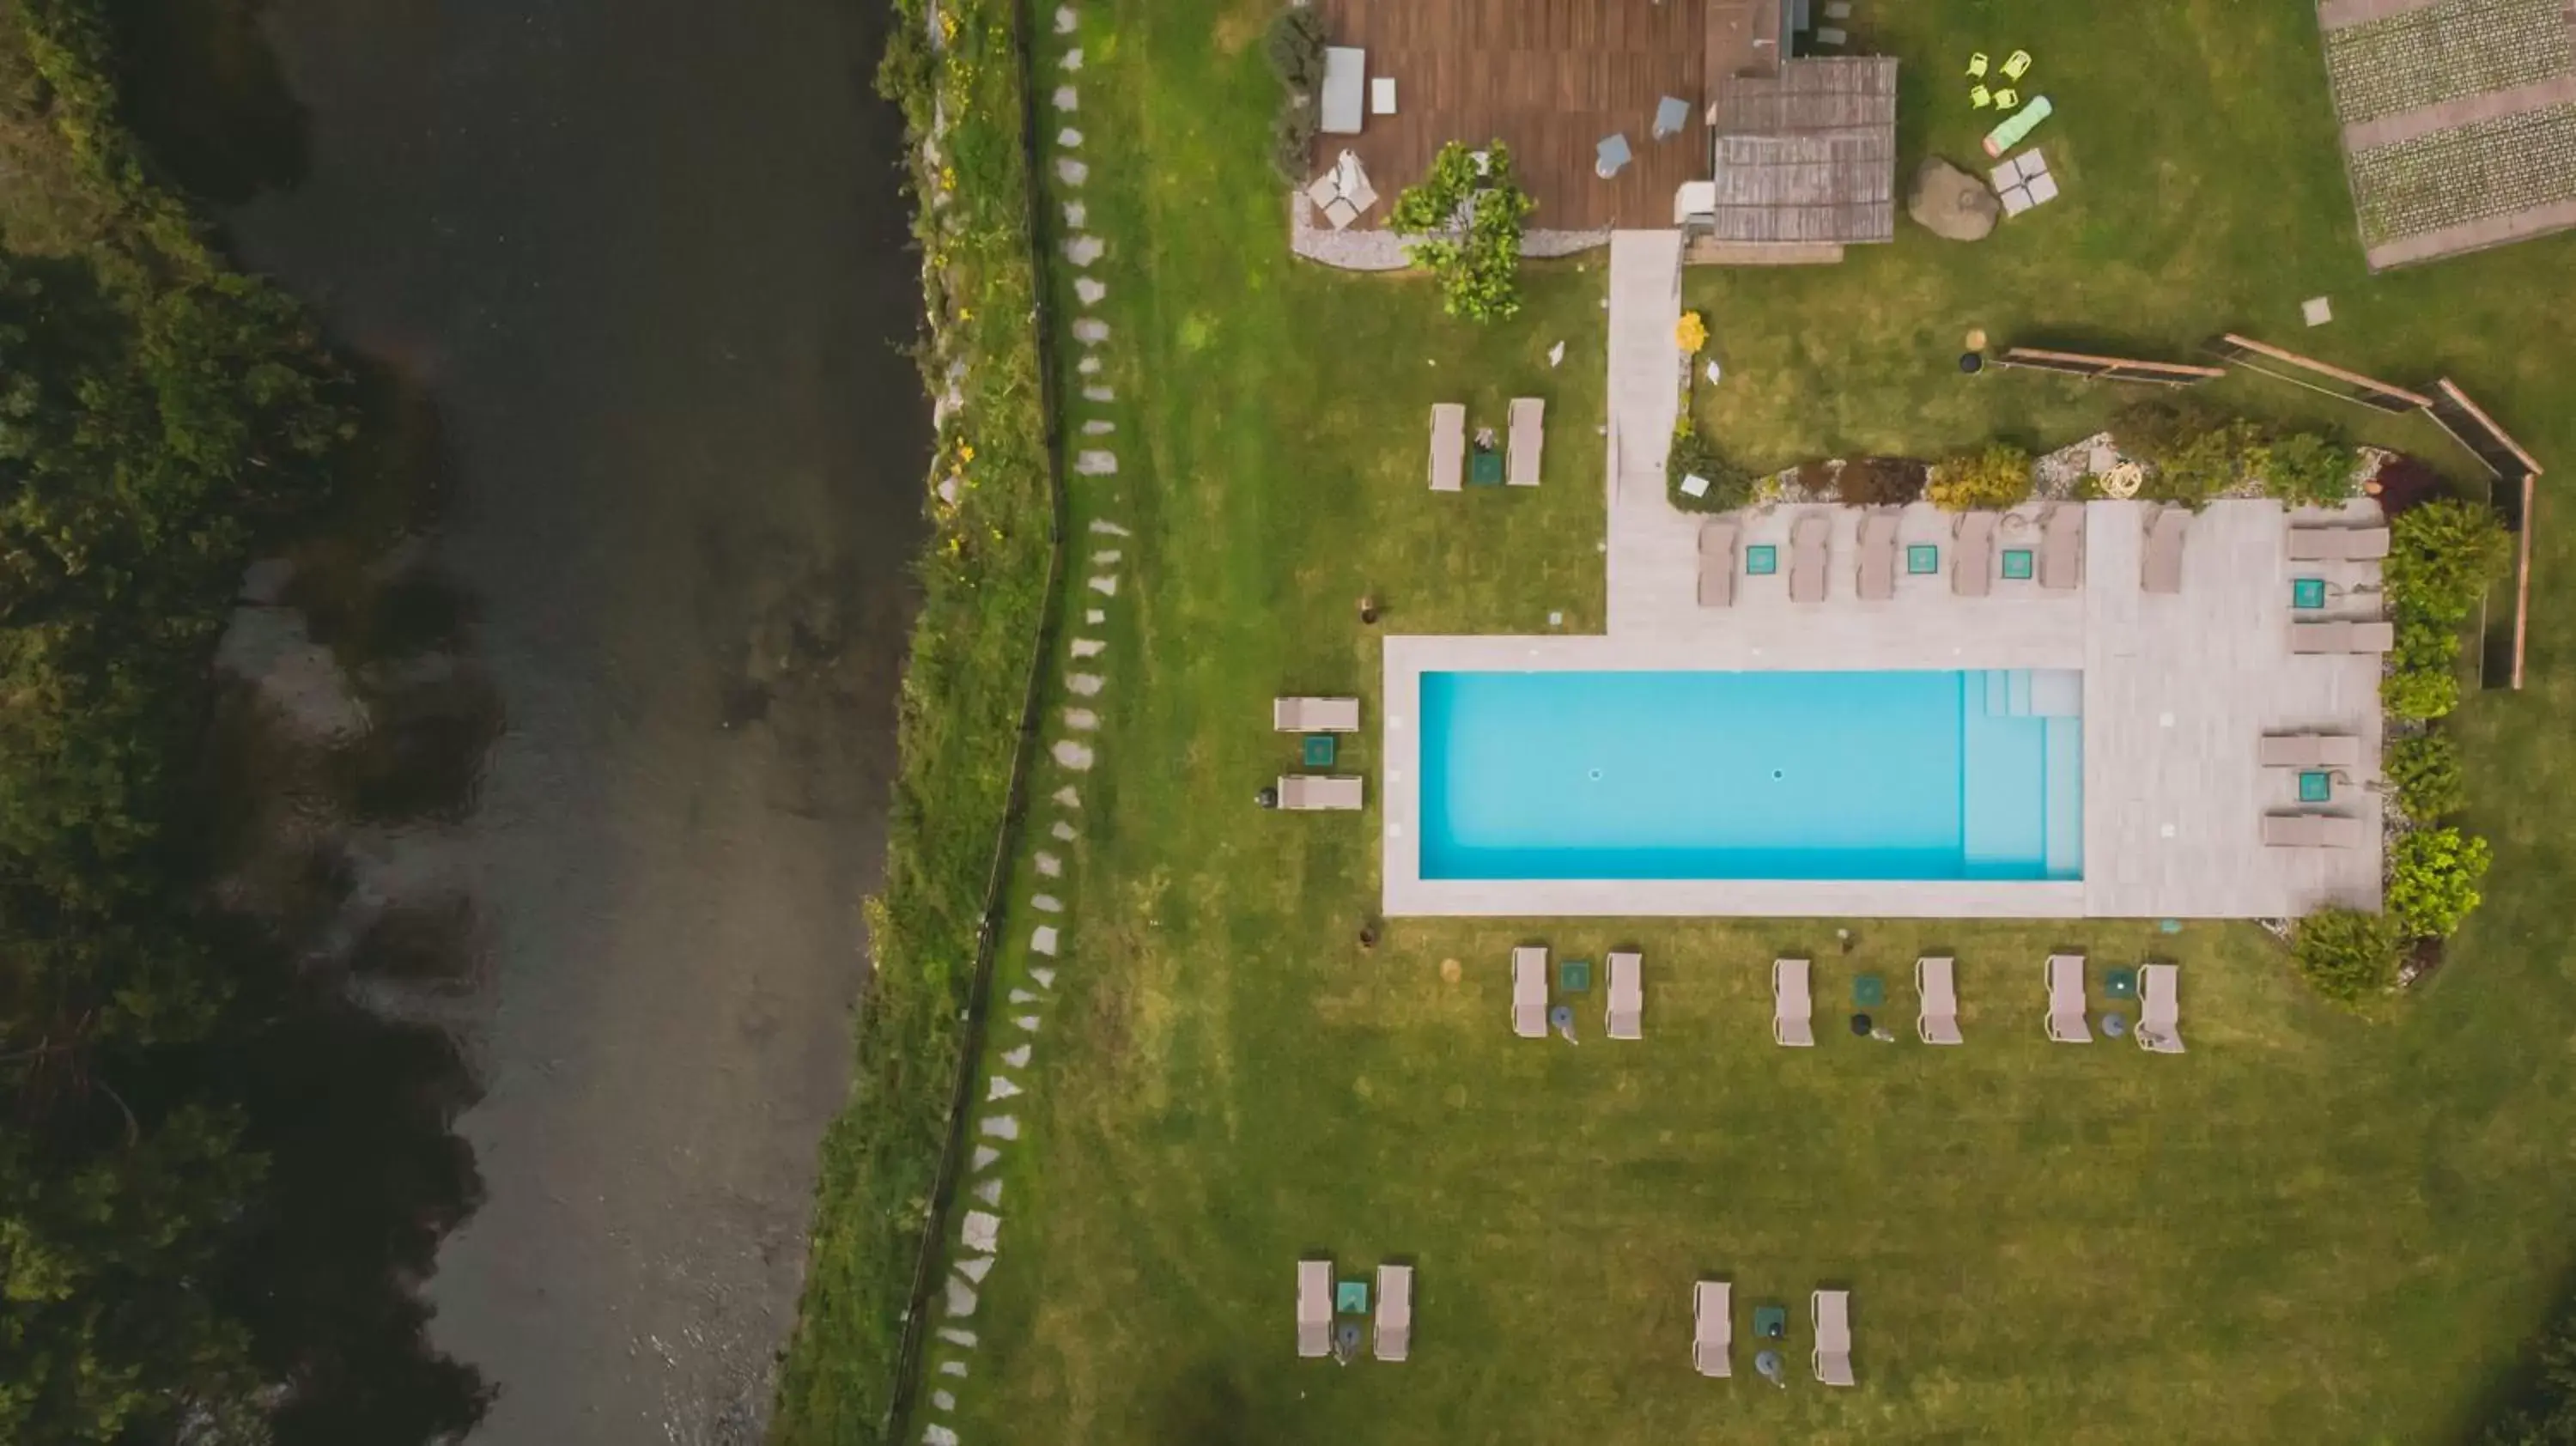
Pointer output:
1771, 1322
1574, 976
1869, 991
2121, 983
2114, 1024
1485, 467
2020, 564
2315, 786
1761, 560
1320, 749
1922, 559
1350, 1297
2307, 593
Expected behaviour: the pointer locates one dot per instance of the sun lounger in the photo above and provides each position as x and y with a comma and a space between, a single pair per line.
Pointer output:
1832, 1310
2061, 547
1448, 447
2310, 750
2338, 544
1791, 1010
1712, 1328
2313, 831
1314, 1307
1341, 102
1527, 439
1315, 715
2159, 1009
1529, 991
1717, 563
1394, 1312
2342, 637
1627, 1012
1310, 792
1972, 558
1807, 543
1876, 578
2066, 1000
2163, 571
1936, 1021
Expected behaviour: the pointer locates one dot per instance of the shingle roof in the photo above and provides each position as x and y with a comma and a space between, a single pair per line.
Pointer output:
1808, 154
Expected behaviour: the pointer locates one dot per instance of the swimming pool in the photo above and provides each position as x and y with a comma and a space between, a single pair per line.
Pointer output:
1752, 775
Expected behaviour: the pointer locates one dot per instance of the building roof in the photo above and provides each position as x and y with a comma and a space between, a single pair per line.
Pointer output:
1807, 154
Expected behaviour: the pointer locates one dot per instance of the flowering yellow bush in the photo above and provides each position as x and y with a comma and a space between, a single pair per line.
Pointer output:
1690, 333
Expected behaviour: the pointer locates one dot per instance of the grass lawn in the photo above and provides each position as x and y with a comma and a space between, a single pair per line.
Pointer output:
2313, 1227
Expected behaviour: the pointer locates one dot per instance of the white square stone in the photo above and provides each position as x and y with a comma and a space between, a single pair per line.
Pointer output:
2015, 199
1694, 485
2042, 188
2317, 309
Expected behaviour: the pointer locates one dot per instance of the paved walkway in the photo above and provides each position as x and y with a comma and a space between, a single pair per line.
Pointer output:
1645, 398
2423, 120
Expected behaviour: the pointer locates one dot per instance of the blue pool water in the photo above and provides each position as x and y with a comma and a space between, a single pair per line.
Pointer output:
1570, 775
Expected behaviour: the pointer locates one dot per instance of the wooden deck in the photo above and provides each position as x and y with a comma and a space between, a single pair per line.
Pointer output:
1549, 79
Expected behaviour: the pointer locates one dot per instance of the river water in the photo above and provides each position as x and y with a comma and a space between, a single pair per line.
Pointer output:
646, 260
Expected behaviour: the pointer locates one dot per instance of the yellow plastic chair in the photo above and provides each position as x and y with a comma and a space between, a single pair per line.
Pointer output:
1980, 97
2007, 98
2017, 65
1977, 65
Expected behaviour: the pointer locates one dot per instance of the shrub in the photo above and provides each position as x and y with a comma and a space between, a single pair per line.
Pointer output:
1468, 220
1996, 477
2425, 646
1292, 139
1880, 481
1296, 48
2346, 954
2304, 468
2204, 466
2420, 694
2424, 775
2154, 430
2405, 483
2442, 556
2433, 878
1729, 486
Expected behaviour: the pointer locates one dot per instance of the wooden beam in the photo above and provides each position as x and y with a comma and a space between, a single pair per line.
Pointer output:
2522, 579
2338, 373
2118, 363
2530, 463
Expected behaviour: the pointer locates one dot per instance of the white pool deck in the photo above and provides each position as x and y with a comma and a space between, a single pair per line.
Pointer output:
2178, 689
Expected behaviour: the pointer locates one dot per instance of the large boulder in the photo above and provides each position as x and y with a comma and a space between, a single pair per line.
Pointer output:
1947, 201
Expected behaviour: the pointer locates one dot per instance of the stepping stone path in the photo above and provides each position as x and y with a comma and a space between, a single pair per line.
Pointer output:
1029, 999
